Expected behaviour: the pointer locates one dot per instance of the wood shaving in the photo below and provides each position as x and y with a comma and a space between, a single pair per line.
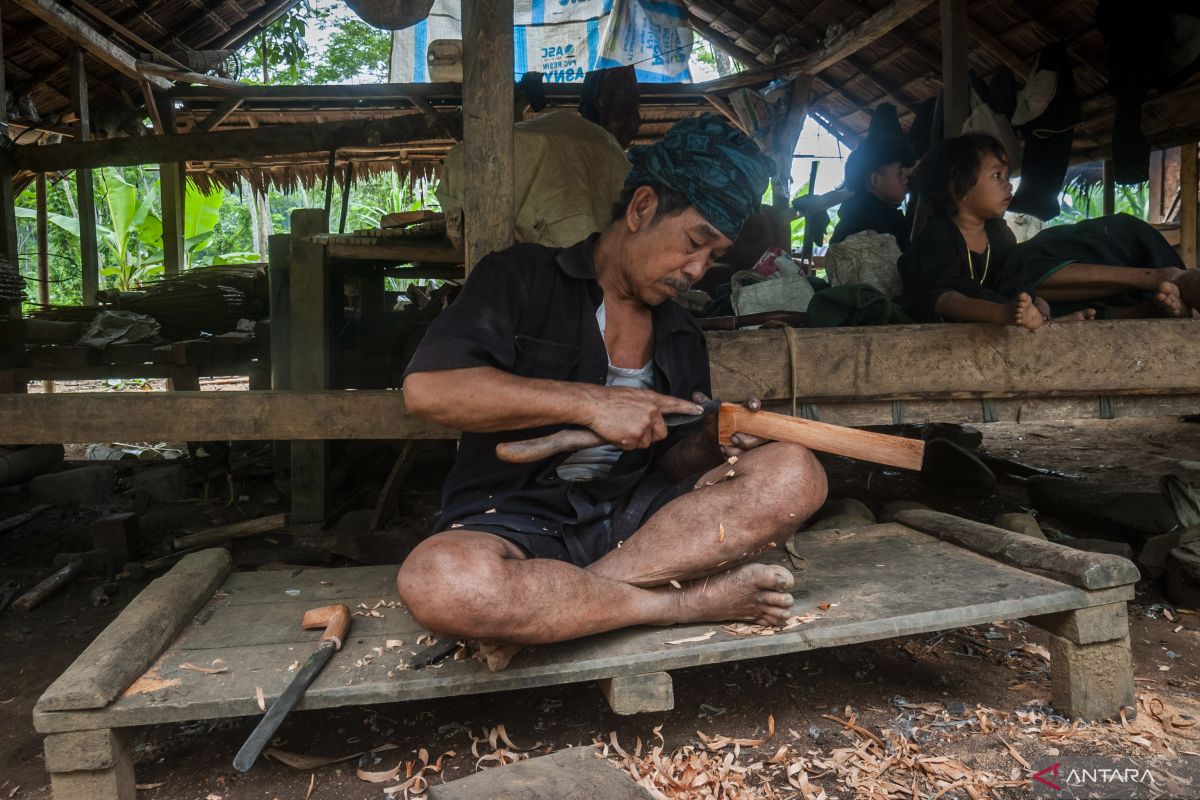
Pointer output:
677, 584
426, 640
262, 701
701, 638
720, 533
731, 460
141, 787
312, 781
305, 762
213, 670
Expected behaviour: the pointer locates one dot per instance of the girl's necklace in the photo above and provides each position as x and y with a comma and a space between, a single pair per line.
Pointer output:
987, 261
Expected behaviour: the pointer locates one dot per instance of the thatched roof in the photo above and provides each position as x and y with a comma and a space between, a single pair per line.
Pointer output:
901, 66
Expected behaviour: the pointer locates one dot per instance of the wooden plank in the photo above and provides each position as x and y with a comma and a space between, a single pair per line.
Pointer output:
75, 29
488, 138
220, 113
955, 87
207, 416
134, 639
314, 586
926, 585
171, 188
1189, 189
380, 251
209, 146
1076, 567
959, 361
89, 254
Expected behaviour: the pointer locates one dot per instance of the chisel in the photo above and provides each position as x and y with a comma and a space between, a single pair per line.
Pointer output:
335, 620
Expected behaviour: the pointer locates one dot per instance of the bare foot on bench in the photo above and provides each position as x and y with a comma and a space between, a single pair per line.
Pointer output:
498, 654
756, 593
1169, 301
1188, 283
1024, 314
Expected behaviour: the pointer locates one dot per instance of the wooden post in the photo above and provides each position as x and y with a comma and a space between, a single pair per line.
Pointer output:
278, 272
487, 128
309, 329
955, 91
1110, 188
172, 189
89, 255
43, 255
8, 212
1189, 190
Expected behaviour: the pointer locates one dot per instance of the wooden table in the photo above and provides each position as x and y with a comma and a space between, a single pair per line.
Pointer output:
933, 572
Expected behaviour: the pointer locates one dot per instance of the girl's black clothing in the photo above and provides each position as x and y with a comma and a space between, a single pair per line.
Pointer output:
939, 261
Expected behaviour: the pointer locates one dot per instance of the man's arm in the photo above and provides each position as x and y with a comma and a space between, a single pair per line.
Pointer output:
485, 400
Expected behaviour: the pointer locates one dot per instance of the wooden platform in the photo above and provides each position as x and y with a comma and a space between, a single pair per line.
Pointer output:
881, 581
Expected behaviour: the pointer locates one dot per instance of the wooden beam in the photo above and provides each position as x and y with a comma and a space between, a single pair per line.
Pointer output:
9, 247
89, 253
208, 146
70, 25
220, 113
488, 137
124, 32
955, 88
1189, 231
999, 49
850, 42
148, 69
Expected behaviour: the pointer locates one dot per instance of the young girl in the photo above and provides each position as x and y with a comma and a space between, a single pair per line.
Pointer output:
957, 268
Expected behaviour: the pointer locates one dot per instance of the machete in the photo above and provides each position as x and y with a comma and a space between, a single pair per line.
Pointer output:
335, 620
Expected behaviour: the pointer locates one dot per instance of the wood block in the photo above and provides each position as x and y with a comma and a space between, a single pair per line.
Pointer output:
573, 774
1183, 575
134, 639
639, 694
120, 535
91, 765
83, 750
1091, 681
1078, 568
1087, 625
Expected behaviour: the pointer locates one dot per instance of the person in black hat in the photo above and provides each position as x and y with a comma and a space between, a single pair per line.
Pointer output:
650, 526
877, 175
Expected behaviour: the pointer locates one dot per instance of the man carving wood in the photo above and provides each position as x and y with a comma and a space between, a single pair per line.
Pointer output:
654, 527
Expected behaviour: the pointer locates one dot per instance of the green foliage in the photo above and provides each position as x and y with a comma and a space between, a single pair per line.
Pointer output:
355, 50
278, 55
1079, 201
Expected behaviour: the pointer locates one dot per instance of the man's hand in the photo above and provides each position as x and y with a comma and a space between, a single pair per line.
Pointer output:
631, 419
741, 442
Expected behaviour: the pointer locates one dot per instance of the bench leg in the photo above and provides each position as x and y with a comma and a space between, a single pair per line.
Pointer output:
1091, 666
639, 694
91, 765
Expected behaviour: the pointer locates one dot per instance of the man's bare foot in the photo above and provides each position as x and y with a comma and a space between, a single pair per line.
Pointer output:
1024, 314
758, 593
1188, 283
1169, 301
1079, 316
498, 654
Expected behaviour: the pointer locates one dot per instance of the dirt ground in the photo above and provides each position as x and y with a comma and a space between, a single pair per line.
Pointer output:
965, 709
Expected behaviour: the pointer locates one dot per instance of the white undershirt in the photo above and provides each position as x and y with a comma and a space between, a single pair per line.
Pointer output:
597, 462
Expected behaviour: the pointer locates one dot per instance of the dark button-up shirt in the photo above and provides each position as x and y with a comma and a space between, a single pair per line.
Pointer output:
530, 310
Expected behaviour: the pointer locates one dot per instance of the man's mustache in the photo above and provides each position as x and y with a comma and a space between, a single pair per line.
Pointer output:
680, 285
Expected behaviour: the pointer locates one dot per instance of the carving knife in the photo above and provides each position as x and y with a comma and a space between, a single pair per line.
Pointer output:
335, 620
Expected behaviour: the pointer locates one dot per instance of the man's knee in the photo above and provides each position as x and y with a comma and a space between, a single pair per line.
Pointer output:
792, 480
445, 585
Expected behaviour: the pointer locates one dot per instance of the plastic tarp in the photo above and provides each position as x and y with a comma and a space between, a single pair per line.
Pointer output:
568, 174
565, 39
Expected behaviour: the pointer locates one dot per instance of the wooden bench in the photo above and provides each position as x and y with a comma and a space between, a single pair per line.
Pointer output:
926, 572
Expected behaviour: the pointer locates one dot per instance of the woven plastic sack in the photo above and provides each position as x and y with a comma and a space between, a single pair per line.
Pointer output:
866, 257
